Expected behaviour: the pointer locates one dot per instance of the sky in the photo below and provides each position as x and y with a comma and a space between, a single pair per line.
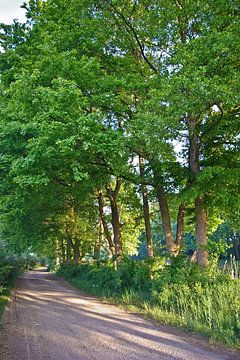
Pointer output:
10, 9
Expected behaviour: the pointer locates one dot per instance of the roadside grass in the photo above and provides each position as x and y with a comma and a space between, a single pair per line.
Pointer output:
4, 295
204, 301
11, 266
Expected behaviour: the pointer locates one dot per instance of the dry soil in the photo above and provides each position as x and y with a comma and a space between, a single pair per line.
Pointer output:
47, 319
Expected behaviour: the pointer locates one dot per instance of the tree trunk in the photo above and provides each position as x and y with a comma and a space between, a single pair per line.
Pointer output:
75, 240
76, 252
180, 227
116, 227
117, 238
200, 211
104, 223
236, 245
147, 222
99, 241
63, 253
68, 250
167, 229
164, 210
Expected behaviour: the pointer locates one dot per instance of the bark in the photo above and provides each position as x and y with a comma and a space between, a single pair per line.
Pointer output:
180, 227
63, 252
147, 222
164, 210
117, 238
99, 241
104, 223
68, 248
75, 242
116, 227
76, 251
236, 245
163, 204
200, 210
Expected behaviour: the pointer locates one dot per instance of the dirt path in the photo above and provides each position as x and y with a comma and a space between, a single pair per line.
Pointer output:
49, 320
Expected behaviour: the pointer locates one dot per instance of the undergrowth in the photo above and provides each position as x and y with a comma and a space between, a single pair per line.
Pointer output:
201, 300
11, 267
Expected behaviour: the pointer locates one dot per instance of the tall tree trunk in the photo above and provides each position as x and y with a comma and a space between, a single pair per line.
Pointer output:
69, 247
147, 222
99, 241
75, 242
117, 238
174, 247
116, 227
180, 227
164, 210
63, 252
236, 244
104, 223
167, 229
200, 210
76, 251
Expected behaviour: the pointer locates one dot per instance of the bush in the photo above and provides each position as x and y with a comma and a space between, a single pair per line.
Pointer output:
102, 280
9, 269
5, 271
12, 265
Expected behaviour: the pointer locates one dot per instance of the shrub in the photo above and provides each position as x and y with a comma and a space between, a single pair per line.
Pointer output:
11, 265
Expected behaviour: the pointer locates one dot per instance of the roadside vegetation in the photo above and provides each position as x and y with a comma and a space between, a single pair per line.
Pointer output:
11, 266
200, 300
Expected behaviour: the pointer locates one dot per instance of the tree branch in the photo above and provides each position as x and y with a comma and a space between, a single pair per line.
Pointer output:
135, 35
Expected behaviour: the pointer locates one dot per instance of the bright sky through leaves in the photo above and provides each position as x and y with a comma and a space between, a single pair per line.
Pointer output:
10, 9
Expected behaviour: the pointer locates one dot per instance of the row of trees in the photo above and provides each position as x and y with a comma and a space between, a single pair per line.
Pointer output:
112, 112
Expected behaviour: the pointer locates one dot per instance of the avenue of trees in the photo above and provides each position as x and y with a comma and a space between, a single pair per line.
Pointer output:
119, 124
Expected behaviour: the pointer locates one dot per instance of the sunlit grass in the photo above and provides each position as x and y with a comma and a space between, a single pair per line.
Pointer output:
199, 300
4, 295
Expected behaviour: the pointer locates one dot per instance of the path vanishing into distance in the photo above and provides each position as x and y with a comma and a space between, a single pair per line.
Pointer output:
47, 319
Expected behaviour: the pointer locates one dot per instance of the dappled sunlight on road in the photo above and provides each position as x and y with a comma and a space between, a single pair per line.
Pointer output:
50, 317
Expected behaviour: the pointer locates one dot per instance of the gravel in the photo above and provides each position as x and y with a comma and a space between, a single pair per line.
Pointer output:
47, 319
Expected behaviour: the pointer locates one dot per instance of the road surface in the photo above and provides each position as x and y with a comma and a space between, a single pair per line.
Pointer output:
47, 319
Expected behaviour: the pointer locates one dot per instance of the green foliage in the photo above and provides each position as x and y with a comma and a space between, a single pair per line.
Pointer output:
104, 280
204, 300
88, 86
4, 294
9, 269
12, 265
181, 293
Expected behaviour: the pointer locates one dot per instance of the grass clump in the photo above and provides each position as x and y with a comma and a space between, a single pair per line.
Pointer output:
4, 295
183, 294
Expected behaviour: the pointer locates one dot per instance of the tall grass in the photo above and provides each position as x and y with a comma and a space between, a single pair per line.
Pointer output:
212, 310
202, 300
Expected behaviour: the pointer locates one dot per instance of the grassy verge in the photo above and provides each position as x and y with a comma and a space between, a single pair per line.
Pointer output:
200, 300
3, 300
11, 266
5, 294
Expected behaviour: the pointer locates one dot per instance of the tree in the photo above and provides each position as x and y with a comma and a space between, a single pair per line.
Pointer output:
86, 88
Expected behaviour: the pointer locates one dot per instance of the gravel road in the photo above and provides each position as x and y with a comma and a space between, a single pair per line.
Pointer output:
47, 319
